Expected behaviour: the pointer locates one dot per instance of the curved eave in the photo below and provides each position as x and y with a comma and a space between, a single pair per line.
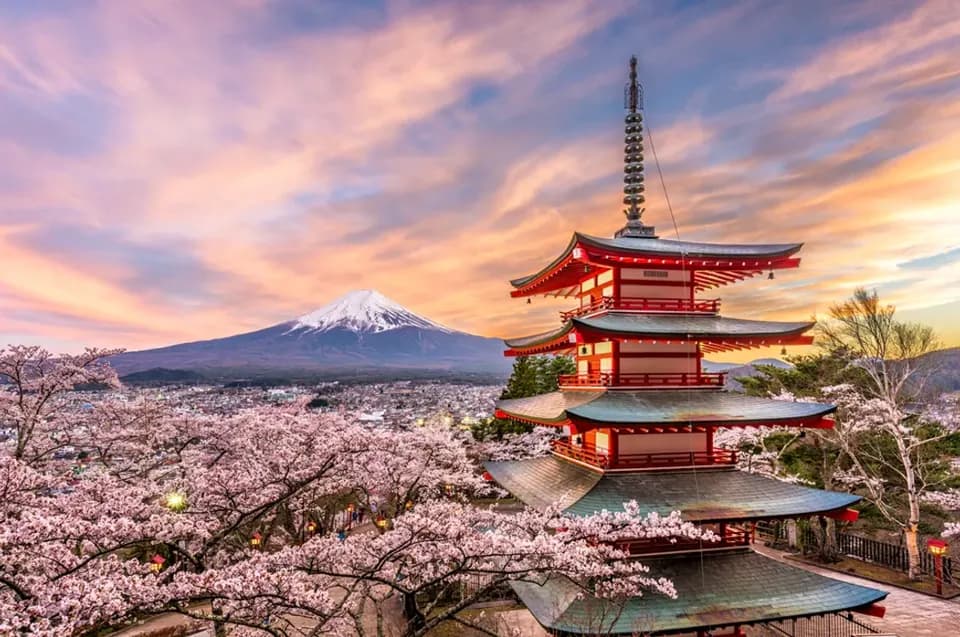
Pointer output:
646, 410
539, 343
702, 495
646, 247
714, 264
717, 340
763, 330
714, 591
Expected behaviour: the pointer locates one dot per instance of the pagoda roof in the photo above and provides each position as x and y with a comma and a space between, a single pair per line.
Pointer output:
669, 253
660, 407
701, 495
664, 326
713, 590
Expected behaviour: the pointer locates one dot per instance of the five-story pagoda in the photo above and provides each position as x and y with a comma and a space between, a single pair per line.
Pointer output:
638, 420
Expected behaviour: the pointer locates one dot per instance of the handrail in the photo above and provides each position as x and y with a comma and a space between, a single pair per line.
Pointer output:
642, 379
708, 306
665, 459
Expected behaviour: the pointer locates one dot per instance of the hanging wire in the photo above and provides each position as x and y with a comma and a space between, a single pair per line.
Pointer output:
683, 270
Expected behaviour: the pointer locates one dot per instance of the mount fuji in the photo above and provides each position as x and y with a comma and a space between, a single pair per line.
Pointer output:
361, 333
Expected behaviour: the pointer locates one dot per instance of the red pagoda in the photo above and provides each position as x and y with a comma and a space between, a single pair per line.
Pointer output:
638, 420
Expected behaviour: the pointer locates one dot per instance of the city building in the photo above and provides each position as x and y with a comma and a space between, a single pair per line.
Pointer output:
638, 420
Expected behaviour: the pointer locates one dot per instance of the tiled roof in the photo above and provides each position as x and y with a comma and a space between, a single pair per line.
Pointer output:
667, 326
713, 590
700, 495
701, 406
667, 248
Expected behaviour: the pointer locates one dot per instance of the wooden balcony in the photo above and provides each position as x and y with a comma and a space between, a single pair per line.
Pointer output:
661, 460
683, 306
609, 379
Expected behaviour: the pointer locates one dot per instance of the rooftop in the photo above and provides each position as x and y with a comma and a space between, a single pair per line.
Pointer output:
664, 252
678, 406
681, 327
703, 495
713, 590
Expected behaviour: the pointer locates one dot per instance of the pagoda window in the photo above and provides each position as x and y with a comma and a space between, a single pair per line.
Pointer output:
602, 443
638, 444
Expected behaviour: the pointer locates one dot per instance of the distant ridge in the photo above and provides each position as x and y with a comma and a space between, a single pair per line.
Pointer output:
359, 332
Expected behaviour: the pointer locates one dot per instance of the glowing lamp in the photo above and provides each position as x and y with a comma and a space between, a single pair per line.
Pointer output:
408, 505
256, 539
381, 521
311, 526
351, 507
156, 563
175, 501
449, 489
937, 547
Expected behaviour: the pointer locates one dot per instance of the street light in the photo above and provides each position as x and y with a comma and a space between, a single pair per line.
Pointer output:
175, 501
938, 548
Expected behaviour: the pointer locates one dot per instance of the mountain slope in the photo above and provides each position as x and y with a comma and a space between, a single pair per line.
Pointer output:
361, 330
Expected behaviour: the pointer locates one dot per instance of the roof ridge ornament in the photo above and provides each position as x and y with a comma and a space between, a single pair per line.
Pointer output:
633, 160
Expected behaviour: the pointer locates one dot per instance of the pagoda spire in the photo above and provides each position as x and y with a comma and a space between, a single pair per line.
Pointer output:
633, 160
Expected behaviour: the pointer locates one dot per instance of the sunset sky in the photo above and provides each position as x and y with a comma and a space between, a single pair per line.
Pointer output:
177, 171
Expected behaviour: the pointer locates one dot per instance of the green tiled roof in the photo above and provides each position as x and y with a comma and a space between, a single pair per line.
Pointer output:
701, 406
689, 325
668, 326
709, 494
718, 589
668, 248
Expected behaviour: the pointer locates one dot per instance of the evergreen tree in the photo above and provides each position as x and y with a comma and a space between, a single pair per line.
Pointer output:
531, 376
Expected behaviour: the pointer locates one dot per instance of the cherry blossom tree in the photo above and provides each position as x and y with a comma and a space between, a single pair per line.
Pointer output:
35, 386
891, 356
244, 521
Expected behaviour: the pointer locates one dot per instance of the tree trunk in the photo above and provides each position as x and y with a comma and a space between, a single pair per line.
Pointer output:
913, 550
219, 626
913, 502
827, 549
415, 619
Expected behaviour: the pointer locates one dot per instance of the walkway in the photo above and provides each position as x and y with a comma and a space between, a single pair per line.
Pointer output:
909, 614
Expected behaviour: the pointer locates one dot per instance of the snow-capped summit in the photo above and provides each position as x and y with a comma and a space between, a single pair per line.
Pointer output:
362, 332
364, 311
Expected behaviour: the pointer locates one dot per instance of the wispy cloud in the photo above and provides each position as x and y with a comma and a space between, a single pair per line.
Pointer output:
179, 170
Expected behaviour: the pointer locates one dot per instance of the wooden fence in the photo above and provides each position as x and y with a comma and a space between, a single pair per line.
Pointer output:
886, 554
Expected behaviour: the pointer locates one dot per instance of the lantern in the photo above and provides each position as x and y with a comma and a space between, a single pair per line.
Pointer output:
938, 548
156, 563
351, 507
256, 539
449, 489
408, 505
487, 477
381, 521
175, 501
311, 527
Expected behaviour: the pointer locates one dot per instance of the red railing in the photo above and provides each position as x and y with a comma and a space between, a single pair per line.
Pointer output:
609, 379
706, 306
729, 534
667, 459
